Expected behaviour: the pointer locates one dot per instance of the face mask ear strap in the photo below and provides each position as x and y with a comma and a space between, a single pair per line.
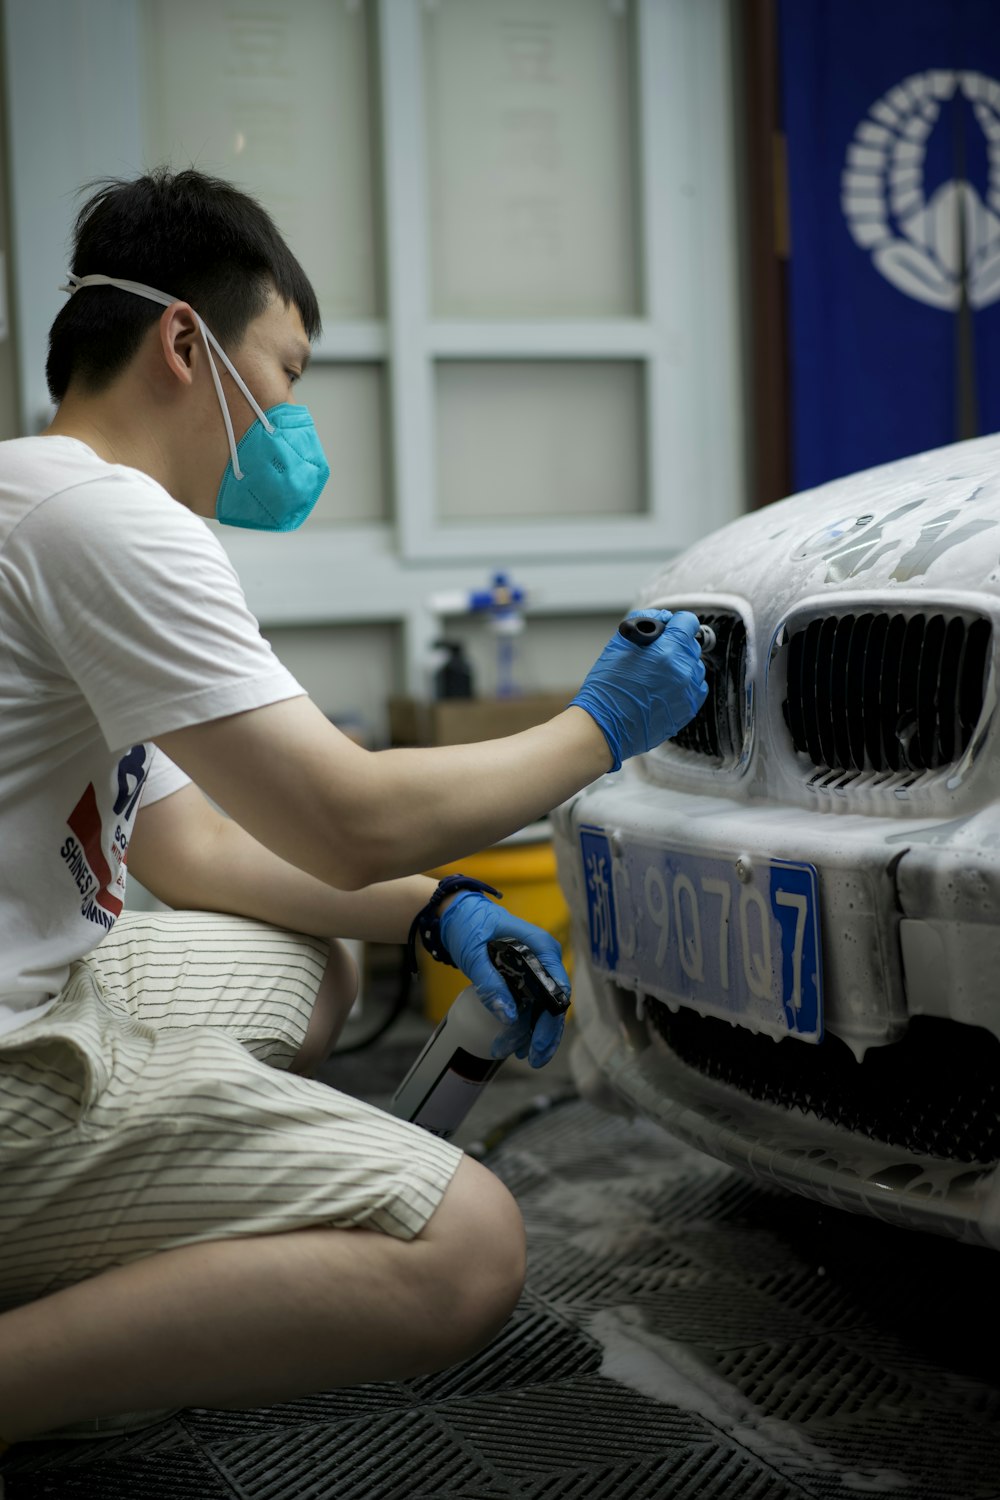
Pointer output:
74, 283
237, 471
211, 343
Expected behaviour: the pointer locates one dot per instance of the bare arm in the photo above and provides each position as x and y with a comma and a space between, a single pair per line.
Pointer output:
189, 856
353, 817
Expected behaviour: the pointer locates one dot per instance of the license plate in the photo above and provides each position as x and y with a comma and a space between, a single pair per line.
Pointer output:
724, 936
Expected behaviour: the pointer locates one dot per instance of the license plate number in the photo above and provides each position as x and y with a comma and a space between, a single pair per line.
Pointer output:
725, 936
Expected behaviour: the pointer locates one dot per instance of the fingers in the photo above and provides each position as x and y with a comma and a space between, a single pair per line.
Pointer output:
492, 989
545, 1039
514, 1038
650, 614
539, 1046
682, 628
681, 622
546, 948
552, 964
684, 623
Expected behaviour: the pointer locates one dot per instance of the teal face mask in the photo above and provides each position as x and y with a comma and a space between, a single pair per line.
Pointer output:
277, 471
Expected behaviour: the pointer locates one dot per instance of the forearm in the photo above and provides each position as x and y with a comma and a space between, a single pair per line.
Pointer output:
227, 870
355, 818
420, 808
276, 892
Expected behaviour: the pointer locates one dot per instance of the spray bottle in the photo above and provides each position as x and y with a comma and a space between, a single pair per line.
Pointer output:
504, 601
457, 1063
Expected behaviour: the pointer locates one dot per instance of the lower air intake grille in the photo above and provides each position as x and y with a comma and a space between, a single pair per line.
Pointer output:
936, 1092
886, 692
719, 727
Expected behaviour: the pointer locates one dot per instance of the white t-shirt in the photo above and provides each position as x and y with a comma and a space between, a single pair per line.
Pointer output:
121, 618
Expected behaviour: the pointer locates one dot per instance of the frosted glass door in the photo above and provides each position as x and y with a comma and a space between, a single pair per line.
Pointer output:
545, 440
530, 107
277, 98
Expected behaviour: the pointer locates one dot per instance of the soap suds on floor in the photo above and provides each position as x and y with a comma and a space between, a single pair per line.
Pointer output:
671, 1372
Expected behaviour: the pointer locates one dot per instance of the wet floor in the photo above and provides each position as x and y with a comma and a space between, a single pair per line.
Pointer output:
684, 1333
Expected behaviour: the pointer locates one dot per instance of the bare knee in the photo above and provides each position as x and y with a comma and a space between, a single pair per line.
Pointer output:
478, 1262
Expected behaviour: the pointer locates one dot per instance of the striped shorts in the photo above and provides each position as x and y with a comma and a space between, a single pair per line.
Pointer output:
148, 1109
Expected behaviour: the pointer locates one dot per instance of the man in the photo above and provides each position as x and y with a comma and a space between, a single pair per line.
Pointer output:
186, 1219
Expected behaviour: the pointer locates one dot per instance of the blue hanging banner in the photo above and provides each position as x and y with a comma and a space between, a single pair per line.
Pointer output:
891, 110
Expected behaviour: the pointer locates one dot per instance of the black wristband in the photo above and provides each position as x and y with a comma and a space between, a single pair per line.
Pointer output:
427, 923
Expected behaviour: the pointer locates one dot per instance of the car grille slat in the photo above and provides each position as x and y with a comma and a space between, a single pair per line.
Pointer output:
825, 660
839, 701
906, 715
929, 689
719, 728
972, 681
889, 692
810, 697
734, 676
873, 689
796, 718
855, 692
885, 693
952, 651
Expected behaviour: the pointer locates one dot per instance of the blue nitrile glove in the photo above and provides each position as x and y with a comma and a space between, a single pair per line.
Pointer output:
641, 695
467, 925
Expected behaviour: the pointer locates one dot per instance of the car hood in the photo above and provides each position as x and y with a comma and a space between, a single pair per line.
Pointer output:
929, 522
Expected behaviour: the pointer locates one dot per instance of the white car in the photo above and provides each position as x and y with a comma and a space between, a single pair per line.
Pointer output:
787, 918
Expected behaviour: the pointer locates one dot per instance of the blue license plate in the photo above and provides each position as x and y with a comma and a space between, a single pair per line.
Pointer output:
725, 936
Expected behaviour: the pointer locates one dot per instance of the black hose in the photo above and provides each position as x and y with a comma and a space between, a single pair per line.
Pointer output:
540, 1105
396, 1009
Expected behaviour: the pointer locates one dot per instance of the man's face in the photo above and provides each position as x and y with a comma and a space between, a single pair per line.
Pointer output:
272, 356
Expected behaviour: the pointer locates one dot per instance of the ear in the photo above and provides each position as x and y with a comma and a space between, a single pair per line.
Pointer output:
180, 341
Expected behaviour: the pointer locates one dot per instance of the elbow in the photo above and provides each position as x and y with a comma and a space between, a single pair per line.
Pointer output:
353, 862
363, 858
348, 872
365, 867
365, 839
350, 878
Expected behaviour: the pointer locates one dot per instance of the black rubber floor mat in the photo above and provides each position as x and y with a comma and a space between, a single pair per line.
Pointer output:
685, 1333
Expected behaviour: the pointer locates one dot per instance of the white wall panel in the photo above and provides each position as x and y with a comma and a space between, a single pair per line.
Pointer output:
529, 114
276, 98
545, 439
348, 405
73, 86
347, 670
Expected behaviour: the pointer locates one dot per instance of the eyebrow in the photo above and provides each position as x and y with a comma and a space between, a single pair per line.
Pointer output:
303, 353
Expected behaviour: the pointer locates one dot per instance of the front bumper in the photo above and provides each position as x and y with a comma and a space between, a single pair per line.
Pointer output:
793, 1149
853, 856
863, 915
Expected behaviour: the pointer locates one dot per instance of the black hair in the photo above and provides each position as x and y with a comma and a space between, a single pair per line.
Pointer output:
194, 237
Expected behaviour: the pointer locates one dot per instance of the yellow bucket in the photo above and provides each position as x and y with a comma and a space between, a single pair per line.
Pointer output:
526, 874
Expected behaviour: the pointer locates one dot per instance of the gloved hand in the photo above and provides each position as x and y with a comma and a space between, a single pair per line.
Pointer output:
467, 925
641, 695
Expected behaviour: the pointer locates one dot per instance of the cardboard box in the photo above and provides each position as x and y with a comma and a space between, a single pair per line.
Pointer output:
460, 721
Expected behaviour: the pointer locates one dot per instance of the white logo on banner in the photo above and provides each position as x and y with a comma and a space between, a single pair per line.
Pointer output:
916, 243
